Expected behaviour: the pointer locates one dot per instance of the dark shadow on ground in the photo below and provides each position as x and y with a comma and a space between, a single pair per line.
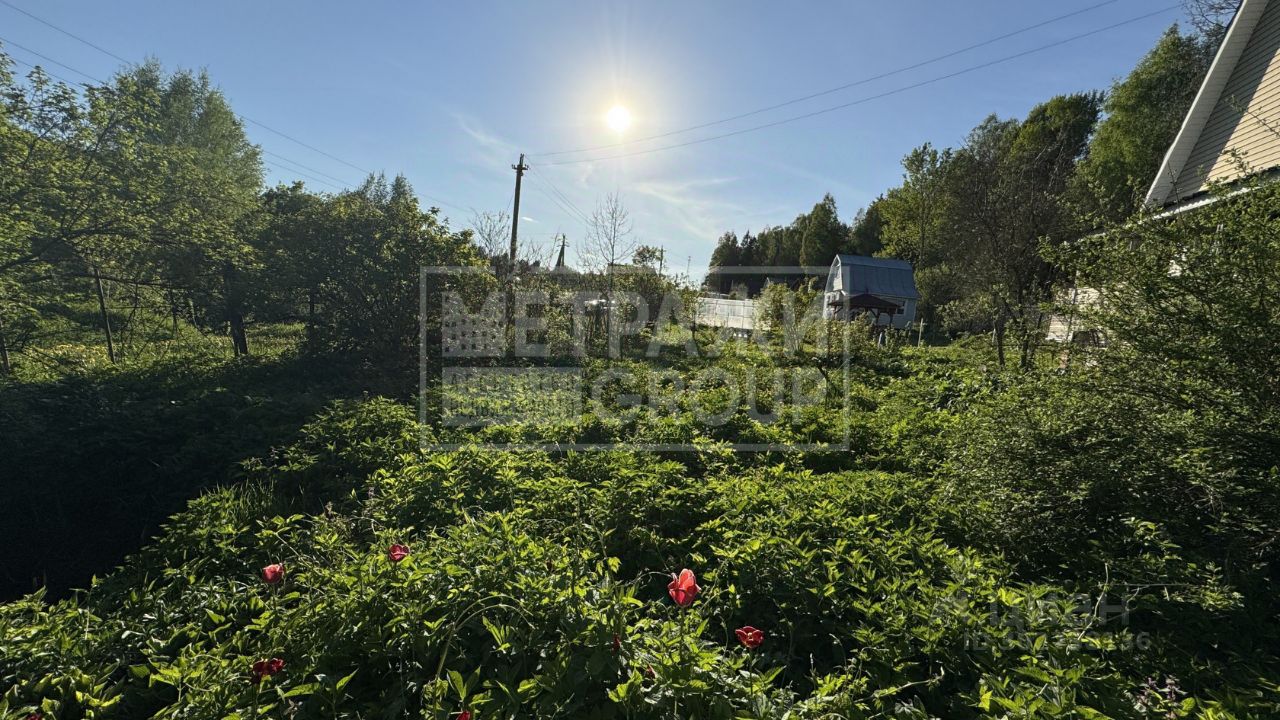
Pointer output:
91, 466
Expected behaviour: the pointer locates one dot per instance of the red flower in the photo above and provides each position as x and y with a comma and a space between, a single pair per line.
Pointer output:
684, 588
749, 636
464, 715
398, 552
35, 716
617, 643
267, 668
273, 574
649, 673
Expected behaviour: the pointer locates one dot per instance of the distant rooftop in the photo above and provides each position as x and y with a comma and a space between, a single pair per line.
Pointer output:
884, 277
846, 259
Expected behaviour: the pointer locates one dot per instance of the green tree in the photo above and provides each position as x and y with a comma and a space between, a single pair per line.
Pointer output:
913, 224
727, 253
821, 233
866, 236
372, 244
1012, 177
143, 184
1142, 115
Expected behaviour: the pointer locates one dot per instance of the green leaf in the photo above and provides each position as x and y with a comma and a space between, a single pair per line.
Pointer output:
459, 684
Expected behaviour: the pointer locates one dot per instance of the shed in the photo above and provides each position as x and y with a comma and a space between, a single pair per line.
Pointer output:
884, 288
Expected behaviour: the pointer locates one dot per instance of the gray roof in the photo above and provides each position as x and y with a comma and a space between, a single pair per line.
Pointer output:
879, 276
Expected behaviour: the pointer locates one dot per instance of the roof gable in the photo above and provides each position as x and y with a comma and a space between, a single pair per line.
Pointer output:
1244, 74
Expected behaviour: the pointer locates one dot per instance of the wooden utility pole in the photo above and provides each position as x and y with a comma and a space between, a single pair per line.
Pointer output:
102, 309
564, 242
519, 167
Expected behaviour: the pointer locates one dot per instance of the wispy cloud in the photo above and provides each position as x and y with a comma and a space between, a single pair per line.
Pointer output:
491, 151
695, 206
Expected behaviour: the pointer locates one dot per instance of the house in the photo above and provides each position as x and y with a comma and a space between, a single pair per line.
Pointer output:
881, 288
1233, 126
1230, 133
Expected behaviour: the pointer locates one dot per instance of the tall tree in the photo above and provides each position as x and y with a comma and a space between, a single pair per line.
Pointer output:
821, 233
727, 253
1143, 113
142, 183
1211, 17
1014, 176
610, 236
914, 223
866, 235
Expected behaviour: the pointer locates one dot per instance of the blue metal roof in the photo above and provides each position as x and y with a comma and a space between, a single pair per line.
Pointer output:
884, 277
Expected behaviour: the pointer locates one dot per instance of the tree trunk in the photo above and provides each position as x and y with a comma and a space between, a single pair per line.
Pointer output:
102, 309
999, 338
238, 337
1030, 340
173, 311
235, 311
5, 368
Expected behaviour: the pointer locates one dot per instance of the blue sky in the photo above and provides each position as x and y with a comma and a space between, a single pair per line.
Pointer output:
450, 93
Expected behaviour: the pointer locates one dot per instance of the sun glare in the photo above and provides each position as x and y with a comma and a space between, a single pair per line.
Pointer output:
618, 118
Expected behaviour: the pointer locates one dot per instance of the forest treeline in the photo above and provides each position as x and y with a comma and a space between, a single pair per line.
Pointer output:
980, 222
139, 205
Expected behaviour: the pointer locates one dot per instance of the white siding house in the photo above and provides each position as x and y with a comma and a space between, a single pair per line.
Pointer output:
1234, 118
1231, 132
883, 288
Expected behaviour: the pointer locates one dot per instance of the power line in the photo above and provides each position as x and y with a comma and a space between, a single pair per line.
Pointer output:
568, 209
7, 41
553, 200
846, 86
244, 118
275, 165
305, 167
573, 209
103, 82
869, 98
65, 32
46, 72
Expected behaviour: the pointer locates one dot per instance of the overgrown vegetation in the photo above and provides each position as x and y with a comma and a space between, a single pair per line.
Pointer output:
993, 544
1090, 535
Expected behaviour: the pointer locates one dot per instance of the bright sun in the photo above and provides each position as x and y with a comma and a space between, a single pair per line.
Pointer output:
618, 118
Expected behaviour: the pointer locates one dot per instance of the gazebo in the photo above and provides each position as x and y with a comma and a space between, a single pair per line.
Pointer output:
864, 303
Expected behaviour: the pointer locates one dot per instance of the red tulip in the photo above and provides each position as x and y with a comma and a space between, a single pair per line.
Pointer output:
617, 643
749, 636
35, 716
398, 552
267, 668
464, 715
684, 588
273, 574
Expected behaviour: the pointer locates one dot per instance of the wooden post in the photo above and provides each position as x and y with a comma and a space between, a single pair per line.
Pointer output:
920, 337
